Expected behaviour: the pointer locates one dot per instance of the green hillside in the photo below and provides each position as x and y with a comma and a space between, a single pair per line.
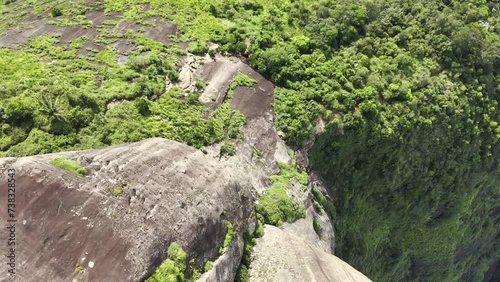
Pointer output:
408, 92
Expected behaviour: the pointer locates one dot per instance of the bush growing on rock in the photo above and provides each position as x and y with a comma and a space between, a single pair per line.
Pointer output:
172, 269
198, 47
275, 205
56, 12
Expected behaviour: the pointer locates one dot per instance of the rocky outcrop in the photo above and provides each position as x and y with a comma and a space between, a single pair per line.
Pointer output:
115, 223
226, 265
281, 256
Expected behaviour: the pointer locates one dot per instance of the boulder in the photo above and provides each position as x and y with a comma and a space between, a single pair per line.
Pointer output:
116, 222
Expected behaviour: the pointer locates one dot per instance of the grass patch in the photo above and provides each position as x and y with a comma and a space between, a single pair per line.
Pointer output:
69, 165
78, 268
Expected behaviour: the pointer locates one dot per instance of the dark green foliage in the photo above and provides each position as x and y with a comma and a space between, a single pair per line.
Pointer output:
208, 266
228, 148
56, 12
250, 241
323, 203
69, 165
242, 274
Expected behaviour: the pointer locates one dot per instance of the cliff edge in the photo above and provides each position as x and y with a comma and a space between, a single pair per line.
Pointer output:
116, 222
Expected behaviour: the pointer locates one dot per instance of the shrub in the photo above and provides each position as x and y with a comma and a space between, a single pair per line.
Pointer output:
228, 148
323, 202
242, 274
56, 12
240, 80
171, 269
236, 123
18, 110
69, 165
198, 47
275, 205
200, 84
142, 104
316, 227
118, 190
78, 268
193, 98
230, 236
208, 266
177, 254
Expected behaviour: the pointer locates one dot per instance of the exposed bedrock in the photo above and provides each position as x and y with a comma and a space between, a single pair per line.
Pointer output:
72, 228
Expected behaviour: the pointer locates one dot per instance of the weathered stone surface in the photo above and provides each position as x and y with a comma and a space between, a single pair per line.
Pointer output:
280, 256
226, 265
171, 192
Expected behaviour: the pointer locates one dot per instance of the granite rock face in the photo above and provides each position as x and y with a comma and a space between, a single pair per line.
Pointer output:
72, 228
281, 256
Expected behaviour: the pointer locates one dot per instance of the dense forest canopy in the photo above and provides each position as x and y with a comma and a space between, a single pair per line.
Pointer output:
408, 91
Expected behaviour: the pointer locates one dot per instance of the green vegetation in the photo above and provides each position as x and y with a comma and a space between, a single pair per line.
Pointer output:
72, 112
239, 80
275, 205
228, 148
69, 165
78, 268
316, 227
208, 266
176, 268
242, 274
200, 84
118, 190
171, 269
198, 48
408, 92
323, 203
230, 236
249, 239
56, 12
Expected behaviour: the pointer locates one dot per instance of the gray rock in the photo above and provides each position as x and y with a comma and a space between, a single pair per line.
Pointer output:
171, 192
280, 256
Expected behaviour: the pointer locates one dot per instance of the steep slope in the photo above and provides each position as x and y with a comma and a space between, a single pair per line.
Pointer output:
115, 223
403, 94
281, 256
